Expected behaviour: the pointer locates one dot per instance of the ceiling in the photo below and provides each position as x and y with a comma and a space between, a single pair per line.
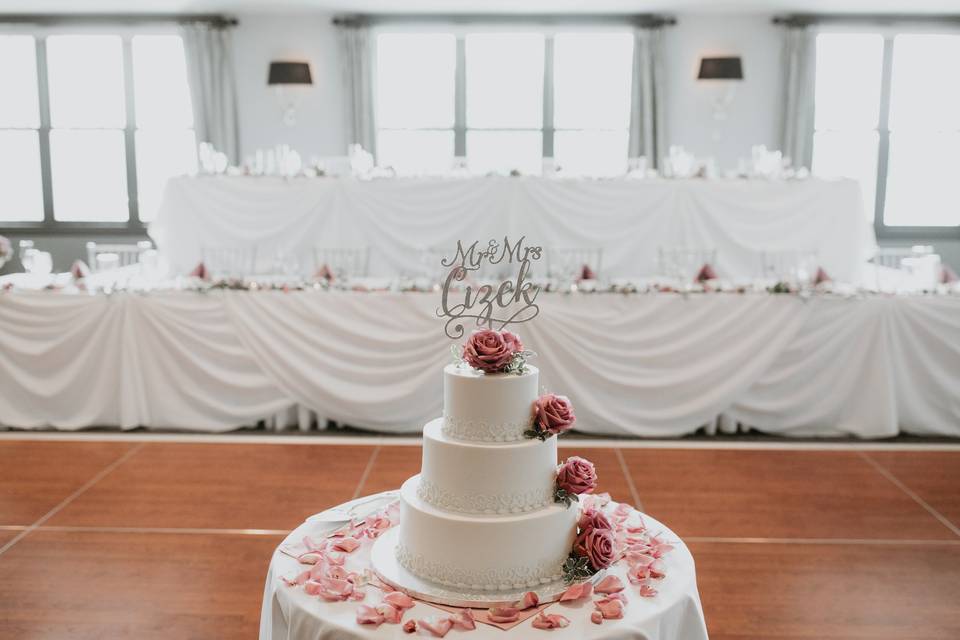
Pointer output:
480, 6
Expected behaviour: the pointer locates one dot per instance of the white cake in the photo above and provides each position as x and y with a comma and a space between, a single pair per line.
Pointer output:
481, 514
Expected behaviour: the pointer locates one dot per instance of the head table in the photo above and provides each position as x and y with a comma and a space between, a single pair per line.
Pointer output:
671, 611
643, 364
631, 219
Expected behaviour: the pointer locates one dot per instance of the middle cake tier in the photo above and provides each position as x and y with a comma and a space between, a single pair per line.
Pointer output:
468, 477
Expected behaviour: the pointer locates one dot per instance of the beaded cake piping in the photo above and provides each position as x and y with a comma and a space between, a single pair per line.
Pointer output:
482, 431
484, 580
516, 502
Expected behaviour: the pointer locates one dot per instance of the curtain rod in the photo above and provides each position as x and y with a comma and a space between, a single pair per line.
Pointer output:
644, 20
214, 20
882, 19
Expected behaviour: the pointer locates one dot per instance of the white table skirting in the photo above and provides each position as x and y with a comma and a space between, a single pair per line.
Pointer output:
675, 613
646, 365
629, 219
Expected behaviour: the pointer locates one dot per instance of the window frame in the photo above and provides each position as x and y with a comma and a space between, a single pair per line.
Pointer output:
888, 34
39, 31
549, 26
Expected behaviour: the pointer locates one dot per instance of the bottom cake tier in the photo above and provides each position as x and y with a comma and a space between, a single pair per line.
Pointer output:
483, 552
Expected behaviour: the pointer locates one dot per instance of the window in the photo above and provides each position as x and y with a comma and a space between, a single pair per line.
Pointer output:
112, 107
20, 181
415, 101
504, 100
893, 126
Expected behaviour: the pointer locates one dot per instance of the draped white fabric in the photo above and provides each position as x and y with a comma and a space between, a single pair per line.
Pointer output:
629, 219
356, 51
209, 53
647, 365
799, 84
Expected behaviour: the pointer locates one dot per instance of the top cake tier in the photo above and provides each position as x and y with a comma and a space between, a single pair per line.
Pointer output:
488, 407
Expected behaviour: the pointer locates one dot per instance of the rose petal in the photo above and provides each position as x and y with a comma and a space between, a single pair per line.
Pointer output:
390, 613
647, 591
410, 626
438, 626
399, 599
346, 544
369, 615
610, 608
311, 557
550, 621
503, 614
529, 599
610, 584
358, 594
577, 591
464, 620
338, 573
596, 617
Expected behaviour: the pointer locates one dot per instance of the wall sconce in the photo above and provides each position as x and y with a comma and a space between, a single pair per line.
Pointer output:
283, 76
727, 71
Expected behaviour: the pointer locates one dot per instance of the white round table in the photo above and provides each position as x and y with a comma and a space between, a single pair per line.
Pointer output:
288, 613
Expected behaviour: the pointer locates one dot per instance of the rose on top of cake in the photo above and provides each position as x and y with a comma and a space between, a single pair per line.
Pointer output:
493, 351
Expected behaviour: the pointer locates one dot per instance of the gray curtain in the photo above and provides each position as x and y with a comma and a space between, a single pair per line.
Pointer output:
210, 69
799, 75
648, 118
356, 52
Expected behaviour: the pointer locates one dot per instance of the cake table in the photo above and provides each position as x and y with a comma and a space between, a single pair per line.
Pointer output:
289, 613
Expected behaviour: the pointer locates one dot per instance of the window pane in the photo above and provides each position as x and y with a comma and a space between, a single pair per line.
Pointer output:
18, 78
89, 175
922, 184
848, 81
21, 195
161, 92
505, 151
925, 92
592, 78
849, 155
416, 152
415, 80
86, 81
504, 80
591, 153
160, 156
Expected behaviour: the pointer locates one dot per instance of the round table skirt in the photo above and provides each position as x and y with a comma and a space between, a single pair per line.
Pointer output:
675, 613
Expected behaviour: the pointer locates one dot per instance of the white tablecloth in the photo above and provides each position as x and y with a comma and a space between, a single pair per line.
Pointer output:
629, 219
647, 364
674, 613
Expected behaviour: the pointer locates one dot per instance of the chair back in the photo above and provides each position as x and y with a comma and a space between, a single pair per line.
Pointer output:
104, 257
229, 262
684, 263
788, 265
566, 263
344, 263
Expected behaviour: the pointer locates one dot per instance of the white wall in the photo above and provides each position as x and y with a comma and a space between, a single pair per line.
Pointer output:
261, 38
754, 115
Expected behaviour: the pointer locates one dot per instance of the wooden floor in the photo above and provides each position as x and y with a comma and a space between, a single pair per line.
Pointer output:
128, 539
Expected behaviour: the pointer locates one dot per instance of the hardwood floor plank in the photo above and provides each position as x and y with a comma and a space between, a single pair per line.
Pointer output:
934, 476
775, 494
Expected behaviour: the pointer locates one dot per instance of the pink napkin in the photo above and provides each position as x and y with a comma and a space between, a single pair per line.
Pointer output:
324, 273
79, 270
821, 276
586, 273
948, 275
200, 271
706, 273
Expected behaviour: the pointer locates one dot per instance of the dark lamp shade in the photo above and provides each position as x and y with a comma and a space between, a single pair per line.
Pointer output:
720, 69
289, 73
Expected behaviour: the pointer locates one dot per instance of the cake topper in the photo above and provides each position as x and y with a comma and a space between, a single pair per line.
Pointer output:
493, 305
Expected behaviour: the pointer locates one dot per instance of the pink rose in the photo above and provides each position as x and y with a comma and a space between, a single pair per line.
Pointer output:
553, 413
597, 545
577, 475
488, 350
591, 519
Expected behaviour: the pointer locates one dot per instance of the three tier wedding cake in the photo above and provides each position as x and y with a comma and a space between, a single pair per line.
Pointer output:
490, 509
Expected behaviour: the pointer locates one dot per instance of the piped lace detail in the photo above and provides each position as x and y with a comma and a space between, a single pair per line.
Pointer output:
516, 502
482, 431
485, 580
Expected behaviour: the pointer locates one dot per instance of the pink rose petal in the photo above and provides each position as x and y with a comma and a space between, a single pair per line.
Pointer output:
399, 599
647, 591
390, 613
369, 615
346, 544
577, 591
438, 626
338, 573
529, 599
358, 594
410, 626
610, 608
550, 621
464, 620
596, 617
610, 584
503, 614
311, 557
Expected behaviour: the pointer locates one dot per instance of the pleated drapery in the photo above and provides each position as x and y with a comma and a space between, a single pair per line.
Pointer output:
210, 72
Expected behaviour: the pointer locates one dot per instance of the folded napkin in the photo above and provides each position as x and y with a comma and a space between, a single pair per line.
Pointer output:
79, 270
706, 273
324, 273
948, 275
586, 273
821, 277
200, 271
